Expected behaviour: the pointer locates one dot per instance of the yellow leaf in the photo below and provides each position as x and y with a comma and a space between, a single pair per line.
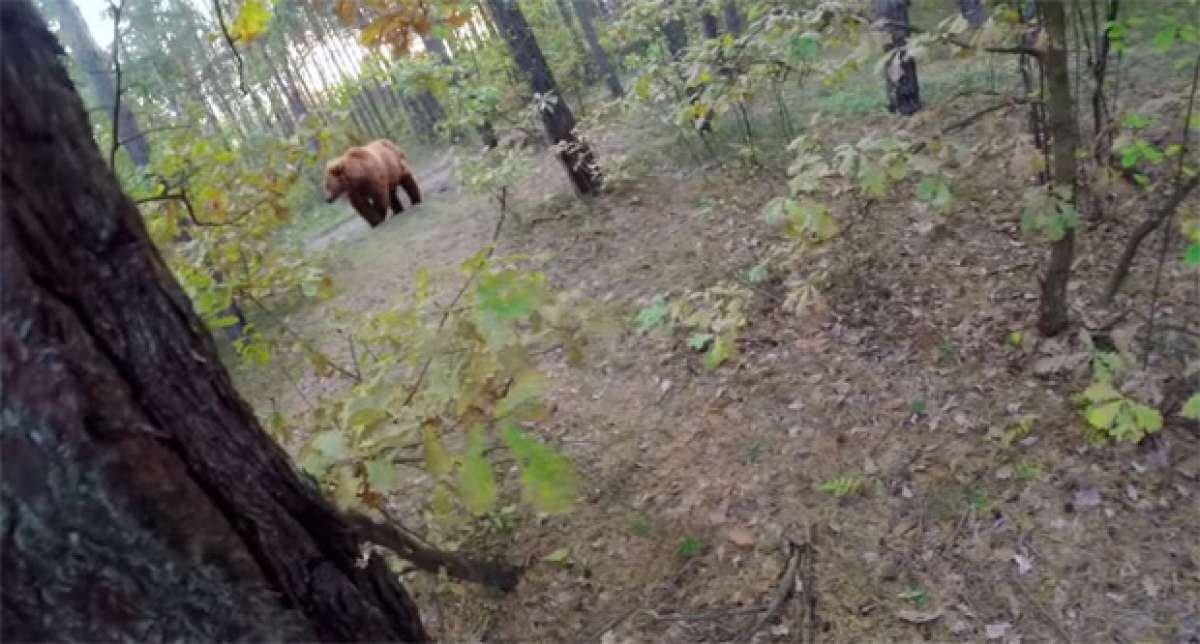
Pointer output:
346, 10
251, 22
437, 461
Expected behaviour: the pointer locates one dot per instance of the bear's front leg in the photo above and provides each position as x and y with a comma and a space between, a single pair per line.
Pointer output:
367, 209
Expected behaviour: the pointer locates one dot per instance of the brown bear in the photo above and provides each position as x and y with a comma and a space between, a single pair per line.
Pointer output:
370, 176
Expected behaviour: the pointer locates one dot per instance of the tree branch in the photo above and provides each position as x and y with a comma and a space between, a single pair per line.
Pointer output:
232, 47
1182, 189
395, 537
412, 392
951, 40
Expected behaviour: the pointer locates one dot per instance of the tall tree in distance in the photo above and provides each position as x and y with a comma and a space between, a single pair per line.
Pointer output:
577, 158
733, 17
903, 89
141, 499
584, 9
98, 73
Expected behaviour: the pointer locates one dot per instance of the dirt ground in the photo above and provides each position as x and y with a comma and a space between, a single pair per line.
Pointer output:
983, 514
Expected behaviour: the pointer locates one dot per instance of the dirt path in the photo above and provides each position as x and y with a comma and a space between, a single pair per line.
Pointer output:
433, 180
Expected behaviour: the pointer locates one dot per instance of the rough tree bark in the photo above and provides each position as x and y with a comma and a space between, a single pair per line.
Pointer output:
583, 9
1064, 141
139, 498
98, 73
900, 76
577, 158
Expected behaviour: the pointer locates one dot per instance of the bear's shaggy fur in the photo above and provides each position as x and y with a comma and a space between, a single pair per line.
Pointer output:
369, 176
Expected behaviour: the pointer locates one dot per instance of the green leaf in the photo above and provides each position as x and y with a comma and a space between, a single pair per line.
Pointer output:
1101, 391
722, 349
758, 273
382, 476
224, 321
1191, 256
1148, 418
1103, 415
806, 46
475, 481
874, 181
558, 556
653, 315
1191, 408
331, 443
699, 341
437, 461
547, 477
1165, 38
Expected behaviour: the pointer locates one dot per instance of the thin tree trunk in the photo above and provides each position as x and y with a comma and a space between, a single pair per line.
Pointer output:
564, 12
1064, 141
583, 9
709, 25
903, 89
733, 17
676, 35
487, 133
141, 499
973, 11
577, 158
97, 70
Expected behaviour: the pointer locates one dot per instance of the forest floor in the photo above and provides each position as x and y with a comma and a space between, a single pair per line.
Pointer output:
983, 511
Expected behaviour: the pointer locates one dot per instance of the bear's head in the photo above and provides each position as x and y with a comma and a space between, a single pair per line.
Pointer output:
335, 179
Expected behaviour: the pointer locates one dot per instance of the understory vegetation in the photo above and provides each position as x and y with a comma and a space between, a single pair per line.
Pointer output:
746, 320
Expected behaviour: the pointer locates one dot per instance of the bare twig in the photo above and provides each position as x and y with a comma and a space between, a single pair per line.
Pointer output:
973, 118
1167, 210
116, 107
232, 47
787, 585
810, 582
503, 200
395, 537
948, 39
144, 133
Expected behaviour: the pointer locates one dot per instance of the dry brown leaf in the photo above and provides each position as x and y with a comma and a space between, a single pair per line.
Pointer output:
918, 616
742, 537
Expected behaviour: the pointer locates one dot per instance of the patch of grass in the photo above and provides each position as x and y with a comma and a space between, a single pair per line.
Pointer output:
640, 527
690, 547
919, 597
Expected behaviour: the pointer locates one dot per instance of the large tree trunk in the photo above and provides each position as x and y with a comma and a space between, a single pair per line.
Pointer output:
139, 498
98, 72
900, 76
1064, 141
583, 9
576, 156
